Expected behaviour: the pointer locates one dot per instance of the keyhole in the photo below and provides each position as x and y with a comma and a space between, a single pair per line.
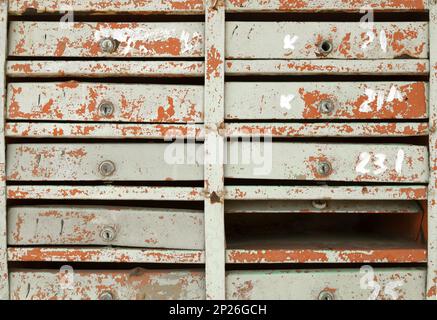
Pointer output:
326, 295
326, 47
106, 295
324, 168
106, 168
108, 234
326, 106
106, 109
108, 45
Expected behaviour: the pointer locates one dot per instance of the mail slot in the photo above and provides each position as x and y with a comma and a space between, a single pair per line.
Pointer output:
328, 284
137, 284
116, 226
321, 40
326, 100
78, 101
89, 39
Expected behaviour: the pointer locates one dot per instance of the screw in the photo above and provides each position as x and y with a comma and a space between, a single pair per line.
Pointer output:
326, 106
107, 234
326, 295
324, 168
108, 45
106, 108
107, 168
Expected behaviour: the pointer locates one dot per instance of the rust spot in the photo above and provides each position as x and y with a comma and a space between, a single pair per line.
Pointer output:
214, 198
214, 62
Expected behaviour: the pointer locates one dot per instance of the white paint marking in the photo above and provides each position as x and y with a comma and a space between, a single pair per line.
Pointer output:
286, 101
289, 42
383, 40
399, 161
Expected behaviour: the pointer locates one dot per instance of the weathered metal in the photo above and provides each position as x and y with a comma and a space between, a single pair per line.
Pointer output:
103, 102
343, 40
215, 242
41, 39
136, 284
91, 110
343, 284
116, 226
432, 192
4, 285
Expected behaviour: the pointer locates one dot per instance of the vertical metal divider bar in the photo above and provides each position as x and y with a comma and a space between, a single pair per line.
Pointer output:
214, 149
4, 283
432, 193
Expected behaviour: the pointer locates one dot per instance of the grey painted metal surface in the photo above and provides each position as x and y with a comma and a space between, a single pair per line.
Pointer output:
84, 162
390, 284
116, 226
41, 39
215, 242
318, 40
136, 284
75, 101
328, 100
4, 285
50, 107
432, 192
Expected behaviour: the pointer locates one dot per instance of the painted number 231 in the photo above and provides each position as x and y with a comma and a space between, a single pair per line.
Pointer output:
379, 163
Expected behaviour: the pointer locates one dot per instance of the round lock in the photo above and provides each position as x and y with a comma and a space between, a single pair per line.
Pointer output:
324, 168
107, 168
326, 295
106, 295
106, 109
326, 47
326, 106
108, 45
320, 204
107, 234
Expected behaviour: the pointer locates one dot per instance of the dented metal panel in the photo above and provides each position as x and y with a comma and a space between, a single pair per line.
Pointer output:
336, 284
76, 101
117, 226
326, 100
323, 206
86, 39
328, 161
136, 284
85, 162
319, 40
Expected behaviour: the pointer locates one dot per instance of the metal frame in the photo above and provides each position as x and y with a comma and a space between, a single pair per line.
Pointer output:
4, 283
214, 133
214, 138
432, 192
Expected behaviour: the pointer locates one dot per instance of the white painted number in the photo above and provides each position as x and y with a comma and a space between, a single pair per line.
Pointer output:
378, 162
